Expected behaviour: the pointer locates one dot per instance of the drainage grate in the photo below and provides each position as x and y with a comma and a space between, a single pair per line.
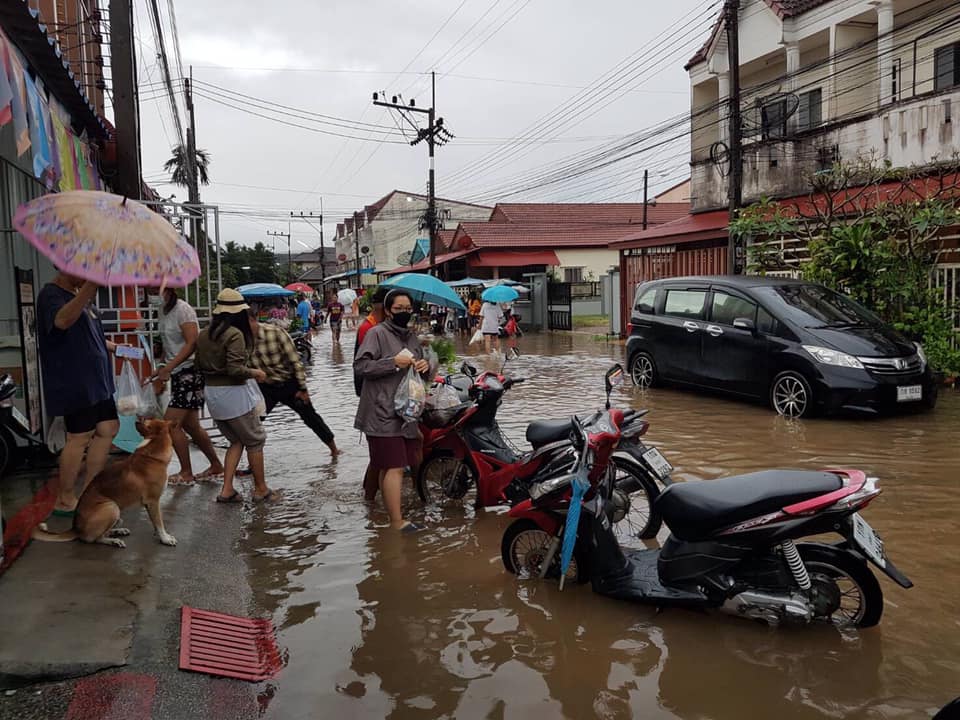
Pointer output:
228, 645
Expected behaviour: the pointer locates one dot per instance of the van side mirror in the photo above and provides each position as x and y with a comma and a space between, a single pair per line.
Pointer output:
745, 324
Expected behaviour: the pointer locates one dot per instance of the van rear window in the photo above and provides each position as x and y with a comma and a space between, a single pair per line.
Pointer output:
646, 302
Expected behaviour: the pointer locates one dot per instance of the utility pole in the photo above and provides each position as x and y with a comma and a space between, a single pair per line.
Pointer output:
435, 134
193, 192
735, 249
306, 217
126, 112
356, 240
646, 178
286, 235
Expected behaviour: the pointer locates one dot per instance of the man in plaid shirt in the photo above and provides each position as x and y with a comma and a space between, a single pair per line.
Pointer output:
286, 382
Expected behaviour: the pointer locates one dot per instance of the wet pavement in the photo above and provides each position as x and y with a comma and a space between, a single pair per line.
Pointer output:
373, 624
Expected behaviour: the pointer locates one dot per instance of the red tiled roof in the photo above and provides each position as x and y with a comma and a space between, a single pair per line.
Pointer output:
592, 214
514, 258
692, 228
783, 9
534, 236
424, 264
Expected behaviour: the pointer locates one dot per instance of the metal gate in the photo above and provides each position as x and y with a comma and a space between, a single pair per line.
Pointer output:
559, 306
946, 280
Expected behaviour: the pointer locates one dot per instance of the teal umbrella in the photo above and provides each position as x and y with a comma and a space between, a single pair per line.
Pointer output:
466, 282
264, 290
425, 288
499, 294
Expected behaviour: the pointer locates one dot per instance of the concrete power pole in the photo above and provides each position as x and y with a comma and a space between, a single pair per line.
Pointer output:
435, 134
306, 217
356, 241
194, 190
735, 249
286, 235
126, 111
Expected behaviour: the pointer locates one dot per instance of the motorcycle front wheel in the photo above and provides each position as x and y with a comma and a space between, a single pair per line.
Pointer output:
445, 480
635, 517
524, 549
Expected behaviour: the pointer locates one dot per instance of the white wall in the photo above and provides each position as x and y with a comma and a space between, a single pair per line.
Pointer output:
598, 260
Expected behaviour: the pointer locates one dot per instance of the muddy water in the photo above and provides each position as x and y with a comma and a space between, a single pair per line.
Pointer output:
376, 625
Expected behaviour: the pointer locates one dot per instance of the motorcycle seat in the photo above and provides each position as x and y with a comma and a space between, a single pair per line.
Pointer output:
542, 432
695, 510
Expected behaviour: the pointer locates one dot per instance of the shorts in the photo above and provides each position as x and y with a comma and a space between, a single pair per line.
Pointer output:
492, 334
87, 419
247, 430
463, 323
186, 389
387, 453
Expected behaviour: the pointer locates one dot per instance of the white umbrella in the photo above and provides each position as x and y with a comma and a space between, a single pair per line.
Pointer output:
346, 296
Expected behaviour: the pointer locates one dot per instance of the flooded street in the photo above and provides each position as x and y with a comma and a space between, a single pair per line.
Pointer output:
378, 625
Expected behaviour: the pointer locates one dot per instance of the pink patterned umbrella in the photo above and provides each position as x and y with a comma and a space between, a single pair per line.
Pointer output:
108, 239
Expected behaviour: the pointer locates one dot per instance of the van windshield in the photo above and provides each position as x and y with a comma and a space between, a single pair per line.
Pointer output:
815, 306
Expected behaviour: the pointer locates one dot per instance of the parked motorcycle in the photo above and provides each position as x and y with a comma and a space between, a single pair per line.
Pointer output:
304, 345
732, 543
468, 458
14, 425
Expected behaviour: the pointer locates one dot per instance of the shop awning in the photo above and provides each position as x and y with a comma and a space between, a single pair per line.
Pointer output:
350, 273
515, 258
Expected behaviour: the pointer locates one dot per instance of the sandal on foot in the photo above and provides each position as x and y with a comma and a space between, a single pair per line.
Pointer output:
207, 476
234, 498
271, 496
411, 527
177, 479
59, 512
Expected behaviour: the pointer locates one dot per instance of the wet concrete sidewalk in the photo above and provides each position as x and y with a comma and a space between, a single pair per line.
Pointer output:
68, 610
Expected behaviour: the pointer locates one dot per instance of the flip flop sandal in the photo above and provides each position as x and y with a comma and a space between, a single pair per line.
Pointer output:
208, 477
57, 512
412, 527
230, 499
177, 479
271, 496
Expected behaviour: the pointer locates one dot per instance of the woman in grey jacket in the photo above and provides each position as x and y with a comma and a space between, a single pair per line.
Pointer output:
383, 359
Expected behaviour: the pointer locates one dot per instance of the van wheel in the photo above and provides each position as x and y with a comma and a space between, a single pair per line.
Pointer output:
791, 395
643, 371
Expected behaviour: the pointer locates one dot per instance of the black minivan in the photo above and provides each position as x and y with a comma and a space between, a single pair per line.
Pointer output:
798, 345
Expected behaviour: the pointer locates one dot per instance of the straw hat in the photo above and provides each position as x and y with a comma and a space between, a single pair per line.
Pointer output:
230, 301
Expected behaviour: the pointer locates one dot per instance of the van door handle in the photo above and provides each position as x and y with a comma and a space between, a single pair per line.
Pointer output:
714, 330
691, 326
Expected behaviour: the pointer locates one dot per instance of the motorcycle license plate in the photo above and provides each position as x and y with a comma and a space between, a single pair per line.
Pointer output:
909, 393
867, 540
658, 463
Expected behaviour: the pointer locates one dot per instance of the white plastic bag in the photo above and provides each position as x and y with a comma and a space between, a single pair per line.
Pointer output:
260, 403
477, 337
149, 405
128, 390
443, 396
410, 397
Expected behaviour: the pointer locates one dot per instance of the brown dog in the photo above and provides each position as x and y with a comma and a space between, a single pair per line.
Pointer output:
139, 478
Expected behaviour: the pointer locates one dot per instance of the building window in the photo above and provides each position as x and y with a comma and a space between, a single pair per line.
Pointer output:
810, 111
827, 157
773, 120
573, 274
946, 67
895, 80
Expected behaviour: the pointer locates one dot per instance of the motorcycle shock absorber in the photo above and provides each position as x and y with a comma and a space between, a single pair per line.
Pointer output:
797, 568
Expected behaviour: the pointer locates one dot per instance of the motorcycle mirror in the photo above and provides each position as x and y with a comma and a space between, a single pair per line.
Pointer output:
613, 378
513, 354
468, 369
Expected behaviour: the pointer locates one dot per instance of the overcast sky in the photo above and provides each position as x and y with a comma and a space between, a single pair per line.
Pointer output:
527, 59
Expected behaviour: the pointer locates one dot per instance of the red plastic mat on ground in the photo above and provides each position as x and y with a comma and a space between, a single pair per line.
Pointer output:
227, 645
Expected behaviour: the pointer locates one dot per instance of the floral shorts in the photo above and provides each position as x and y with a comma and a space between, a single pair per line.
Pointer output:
186, 390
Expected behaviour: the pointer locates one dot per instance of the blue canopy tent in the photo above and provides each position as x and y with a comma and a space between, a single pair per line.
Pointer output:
254, 291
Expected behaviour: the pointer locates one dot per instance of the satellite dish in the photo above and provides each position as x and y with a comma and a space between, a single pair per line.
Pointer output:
404, 258
364, 249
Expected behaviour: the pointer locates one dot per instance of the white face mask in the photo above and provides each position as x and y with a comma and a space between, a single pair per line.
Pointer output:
155, 300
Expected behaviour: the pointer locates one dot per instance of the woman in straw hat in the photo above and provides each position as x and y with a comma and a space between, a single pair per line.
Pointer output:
224, 352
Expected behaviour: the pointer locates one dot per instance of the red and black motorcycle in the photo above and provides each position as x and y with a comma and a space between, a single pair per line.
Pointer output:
468, 459
732, 543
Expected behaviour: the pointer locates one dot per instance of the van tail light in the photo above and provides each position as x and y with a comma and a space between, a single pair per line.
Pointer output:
629, 328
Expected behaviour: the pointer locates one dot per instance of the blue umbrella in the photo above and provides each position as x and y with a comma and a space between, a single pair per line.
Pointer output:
466, 282
264, 290
425, 288
580, 487
499, 294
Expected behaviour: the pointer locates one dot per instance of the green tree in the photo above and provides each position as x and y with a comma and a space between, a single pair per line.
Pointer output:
179, 167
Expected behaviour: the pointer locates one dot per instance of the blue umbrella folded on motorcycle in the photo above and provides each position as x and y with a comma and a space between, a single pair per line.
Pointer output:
580, 486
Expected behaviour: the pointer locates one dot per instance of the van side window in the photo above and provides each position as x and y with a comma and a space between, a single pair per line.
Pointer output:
646, 302
727, 308
685, 303
766, 323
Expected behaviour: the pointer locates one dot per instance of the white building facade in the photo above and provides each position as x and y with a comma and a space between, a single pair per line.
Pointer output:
825, 81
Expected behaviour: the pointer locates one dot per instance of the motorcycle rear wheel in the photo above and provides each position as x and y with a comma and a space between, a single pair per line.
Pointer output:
445, 480
861, 599
641, 520
524, 548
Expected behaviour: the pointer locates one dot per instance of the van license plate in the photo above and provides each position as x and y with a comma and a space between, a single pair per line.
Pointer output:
658, 463
867, 540
909, 393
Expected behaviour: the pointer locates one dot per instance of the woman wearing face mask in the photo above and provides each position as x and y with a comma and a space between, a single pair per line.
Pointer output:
178, 331
382, 360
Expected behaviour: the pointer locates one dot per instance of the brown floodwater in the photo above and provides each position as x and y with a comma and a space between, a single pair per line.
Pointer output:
374, 624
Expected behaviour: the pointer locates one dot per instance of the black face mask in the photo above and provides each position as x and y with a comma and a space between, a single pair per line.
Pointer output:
401, 319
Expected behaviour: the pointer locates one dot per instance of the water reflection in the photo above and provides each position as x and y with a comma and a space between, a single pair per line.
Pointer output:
429, 626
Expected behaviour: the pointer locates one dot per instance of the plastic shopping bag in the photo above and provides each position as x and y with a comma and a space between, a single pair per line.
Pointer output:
149, 405
410, 397
477, 337
443, 396
260, 403
128, 390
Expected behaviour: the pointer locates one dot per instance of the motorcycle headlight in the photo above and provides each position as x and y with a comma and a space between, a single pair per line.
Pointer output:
922, 355
833, 357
